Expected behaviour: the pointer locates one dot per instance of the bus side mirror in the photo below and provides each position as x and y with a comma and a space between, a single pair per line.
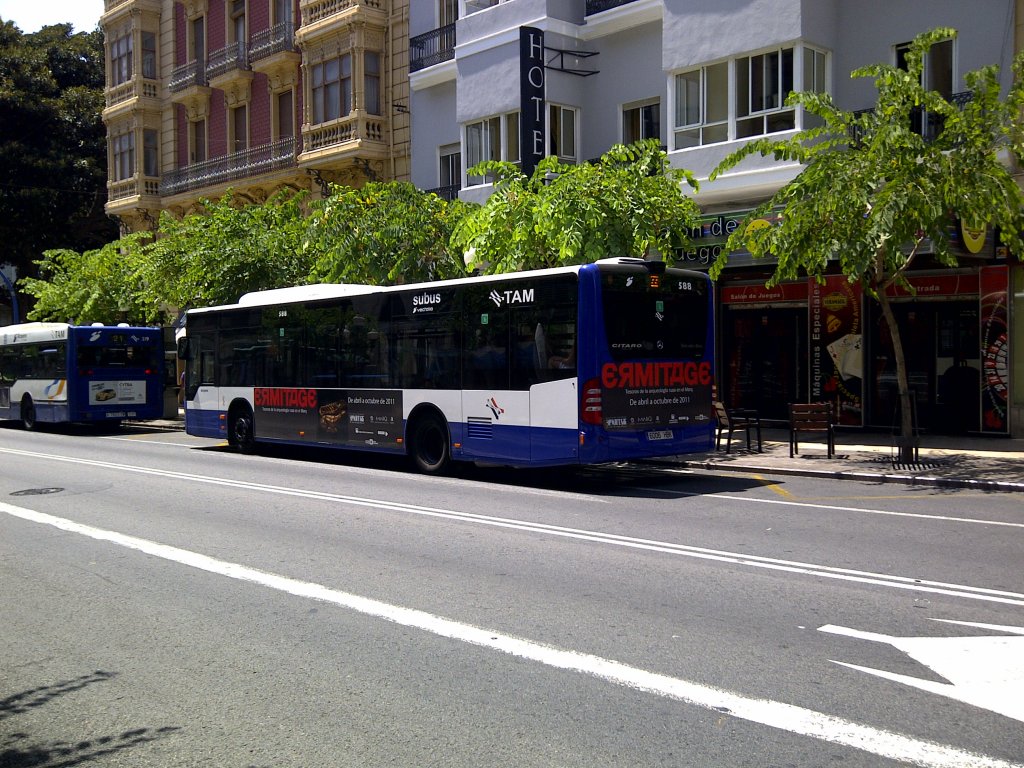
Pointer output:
184, 353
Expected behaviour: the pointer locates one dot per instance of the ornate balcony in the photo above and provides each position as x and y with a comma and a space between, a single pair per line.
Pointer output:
133, 188
187, 76
448, 192
226, 60
432, 48
320, 17
272, 52
240, 165
354, 129
127, 95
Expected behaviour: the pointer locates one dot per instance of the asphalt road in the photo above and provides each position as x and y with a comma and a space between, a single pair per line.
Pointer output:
166, 602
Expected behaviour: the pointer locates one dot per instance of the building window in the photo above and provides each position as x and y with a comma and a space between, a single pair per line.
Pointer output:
282, 11
150, 153
762, 84
332, 89
239, 129
450, 171
236, 26
562, 133
371, 78
149, 55
121, 60
641, 121
124, 156
937, 75
702, 106
198, 30
285, 115
197, 138
496, 138
447, 12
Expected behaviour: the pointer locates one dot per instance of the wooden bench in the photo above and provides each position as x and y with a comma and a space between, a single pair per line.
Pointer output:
811, 417
731, 420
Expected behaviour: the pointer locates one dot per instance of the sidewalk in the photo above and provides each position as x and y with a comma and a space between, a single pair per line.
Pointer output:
985, 463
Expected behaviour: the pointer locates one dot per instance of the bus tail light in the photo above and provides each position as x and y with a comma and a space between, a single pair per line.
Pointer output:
590, 407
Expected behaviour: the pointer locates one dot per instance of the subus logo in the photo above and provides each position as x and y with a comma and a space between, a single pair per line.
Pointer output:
493, 407
426, 298
94, 336
524, 296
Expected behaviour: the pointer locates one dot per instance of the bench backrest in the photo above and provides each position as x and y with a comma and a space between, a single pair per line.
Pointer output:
811, 417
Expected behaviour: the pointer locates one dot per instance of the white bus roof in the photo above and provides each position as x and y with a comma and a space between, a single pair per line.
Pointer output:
335, 290
23, 332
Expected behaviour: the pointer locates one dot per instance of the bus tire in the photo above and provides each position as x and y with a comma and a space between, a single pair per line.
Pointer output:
28, 413
240, 430
429, 443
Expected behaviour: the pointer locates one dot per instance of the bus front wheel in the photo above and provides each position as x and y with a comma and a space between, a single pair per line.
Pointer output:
28, 413
430, 448
241, 431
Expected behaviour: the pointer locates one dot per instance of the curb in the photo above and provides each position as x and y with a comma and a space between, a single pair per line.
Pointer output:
838, 474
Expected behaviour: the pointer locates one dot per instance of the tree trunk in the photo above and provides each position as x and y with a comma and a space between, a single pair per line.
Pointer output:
905, 440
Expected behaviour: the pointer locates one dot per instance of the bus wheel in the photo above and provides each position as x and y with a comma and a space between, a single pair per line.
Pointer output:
241, 434
28, 413
430, 448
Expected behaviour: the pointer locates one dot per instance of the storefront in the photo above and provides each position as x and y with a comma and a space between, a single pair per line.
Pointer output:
815, 341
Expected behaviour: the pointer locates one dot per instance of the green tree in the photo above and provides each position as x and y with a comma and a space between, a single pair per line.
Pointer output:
629, 203
873, 191
52, 143
381, 234
215, 255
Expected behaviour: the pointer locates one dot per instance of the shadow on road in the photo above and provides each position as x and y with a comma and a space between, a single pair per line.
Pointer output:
19, 749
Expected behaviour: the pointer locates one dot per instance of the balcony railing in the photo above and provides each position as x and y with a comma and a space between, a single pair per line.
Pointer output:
596, 6
240, 165
318, 10
432, 48
448, 192
133, 187
267, 42
357, 128
187, 75
226, 59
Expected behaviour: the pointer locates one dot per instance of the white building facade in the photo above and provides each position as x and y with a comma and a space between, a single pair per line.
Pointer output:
703, 77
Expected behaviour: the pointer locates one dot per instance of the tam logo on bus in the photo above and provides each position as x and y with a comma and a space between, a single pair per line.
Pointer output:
670, 374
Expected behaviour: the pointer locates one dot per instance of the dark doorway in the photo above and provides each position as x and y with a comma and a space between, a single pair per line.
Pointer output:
764, 359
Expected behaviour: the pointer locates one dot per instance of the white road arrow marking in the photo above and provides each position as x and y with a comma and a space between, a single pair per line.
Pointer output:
986, 672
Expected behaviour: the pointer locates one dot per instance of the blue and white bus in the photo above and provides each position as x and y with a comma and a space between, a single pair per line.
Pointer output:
604, 362
98, 374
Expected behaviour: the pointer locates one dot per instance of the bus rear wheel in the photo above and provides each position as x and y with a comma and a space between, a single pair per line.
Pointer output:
240, 433
430, 448
28, 413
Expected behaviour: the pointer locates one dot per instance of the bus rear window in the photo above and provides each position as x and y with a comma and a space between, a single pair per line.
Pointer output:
655, 316
117, 357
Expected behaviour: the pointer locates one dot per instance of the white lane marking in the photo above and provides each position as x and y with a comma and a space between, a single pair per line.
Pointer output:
775, 714
651, 545
147, 440
985, 672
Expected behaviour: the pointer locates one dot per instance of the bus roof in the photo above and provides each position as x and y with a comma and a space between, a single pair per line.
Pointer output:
300, 293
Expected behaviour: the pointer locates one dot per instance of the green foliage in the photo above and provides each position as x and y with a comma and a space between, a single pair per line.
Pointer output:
215, 255
872, 190
629, 203
382, 234
53, 161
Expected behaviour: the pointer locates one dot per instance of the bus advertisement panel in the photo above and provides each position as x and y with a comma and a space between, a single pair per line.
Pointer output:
602, 362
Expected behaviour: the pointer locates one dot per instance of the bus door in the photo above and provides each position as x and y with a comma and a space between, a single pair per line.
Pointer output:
497, 417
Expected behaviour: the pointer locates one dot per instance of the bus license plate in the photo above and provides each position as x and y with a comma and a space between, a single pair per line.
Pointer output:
660, 434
